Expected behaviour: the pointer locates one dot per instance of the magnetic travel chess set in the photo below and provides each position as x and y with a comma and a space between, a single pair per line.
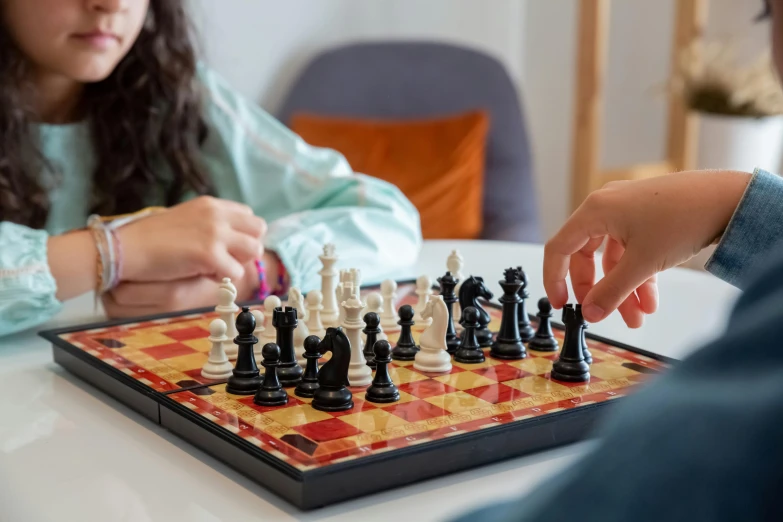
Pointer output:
354, 390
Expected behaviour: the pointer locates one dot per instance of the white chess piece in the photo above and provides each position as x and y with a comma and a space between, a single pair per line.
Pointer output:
374, 303
423, 291
328, 275
433, 356
347, 288
355, 276
269, 335
295, 300
217, 366
258, 333
359, 374
389, 316
227, 310
454, 264
315, 308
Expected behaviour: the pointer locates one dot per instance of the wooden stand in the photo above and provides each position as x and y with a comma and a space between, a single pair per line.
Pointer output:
587, 176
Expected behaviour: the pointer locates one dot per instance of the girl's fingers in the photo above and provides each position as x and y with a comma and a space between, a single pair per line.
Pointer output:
616, 286
581, 227
582, 268
648, 295
631, 311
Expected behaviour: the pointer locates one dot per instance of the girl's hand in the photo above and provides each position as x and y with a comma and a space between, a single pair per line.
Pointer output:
648, 226
134, 299
205, 237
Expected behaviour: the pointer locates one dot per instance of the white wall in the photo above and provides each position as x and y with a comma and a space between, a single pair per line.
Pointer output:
260, 45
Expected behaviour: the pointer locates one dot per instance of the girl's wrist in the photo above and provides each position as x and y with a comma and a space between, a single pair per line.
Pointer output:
272, 278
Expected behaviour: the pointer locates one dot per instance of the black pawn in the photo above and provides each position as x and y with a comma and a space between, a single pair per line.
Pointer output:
585, 351
406, 348
544, 340
306, 388
285, 322
571, 365
526, 331
469, 350
447, 285
508, 343
246, 378
271, 392
372, 328
382, 388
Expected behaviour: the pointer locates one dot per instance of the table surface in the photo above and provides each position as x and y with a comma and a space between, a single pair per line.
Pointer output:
69, 452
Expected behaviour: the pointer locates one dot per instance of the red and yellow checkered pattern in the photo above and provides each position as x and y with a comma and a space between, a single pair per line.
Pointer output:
167, 355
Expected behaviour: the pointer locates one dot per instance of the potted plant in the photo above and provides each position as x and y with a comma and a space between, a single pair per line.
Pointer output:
740, 107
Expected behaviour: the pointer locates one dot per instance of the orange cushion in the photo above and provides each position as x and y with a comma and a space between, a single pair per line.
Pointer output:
437, 163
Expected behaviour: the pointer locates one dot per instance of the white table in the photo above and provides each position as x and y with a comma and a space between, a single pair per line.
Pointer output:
69, 452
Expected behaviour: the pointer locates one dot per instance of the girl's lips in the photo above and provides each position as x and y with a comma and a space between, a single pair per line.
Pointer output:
97, 39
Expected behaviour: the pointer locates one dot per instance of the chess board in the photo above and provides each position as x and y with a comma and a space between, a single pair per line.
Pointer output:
473, 415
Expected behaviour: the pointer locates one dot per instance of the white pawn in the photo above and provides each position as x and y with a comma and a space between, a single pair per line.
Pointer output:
423, 291
374, 303
389, 316
269, 335
359, 374
454, 264
227, 310
258, 333
295, 300
217, 366
433, 356
314, 307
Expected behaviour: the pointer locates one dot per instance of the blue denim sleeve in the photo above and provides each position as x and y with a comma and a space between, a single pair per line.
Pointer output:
754, 230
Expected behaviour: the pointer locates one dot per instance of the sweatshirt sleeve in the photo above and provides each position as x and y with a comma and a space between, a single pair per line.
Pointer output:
754, 230
27, 287
308, 195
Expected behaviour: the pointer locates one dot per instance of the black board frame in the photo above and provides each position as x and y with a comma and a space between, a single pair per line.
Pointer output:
343, 481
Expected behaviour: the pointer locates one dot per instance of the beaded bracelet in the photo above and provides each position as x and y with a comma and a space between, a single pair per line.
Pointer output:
264, 290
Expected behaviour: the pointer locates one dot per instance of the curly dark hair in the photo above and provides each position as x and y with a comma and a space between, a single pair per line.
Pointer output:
147, 113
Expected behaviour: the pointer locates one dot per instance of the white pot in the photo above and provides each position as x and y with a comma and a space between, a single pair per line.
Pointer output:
740, 143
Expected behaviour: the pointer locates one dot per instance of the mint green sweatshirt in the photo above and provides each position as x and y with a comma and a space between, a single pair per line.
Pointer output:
309, 196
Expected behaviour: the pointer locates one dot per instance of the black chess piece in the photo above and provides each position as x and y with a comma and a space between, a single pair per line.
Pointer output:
406, 348
271, 392
469, 349
544, 340
585, 351
285, 322
372, 328
447, 285
332, 393
246, 378
526, 331
508, 343
382, 388
309, 383
571, 365
471, 290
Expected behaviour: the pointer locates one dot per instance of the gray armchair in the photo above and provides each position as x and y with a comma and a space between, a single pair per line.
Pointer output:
425, 79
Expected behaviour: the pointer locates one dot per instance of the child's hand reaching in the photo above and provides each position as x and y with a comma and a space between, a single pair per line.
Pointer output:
205, 237
649, 226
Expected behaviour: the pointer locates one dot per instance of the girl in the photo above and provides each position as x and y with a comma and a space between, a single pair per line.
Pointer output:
106, 112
